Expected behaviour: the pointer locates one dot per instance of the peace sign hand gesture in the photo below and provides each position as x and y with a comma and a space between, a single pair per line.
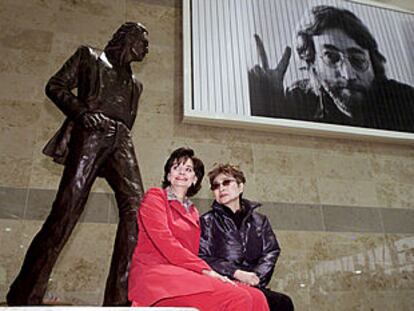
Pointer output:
266, 83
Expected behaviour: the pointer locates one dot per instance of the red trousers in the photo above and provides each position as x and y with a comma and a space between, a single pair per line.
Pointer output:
225, 297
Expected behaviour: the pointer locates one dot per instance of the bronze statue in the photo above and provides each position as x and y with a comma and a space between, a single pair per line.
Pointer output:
94, 141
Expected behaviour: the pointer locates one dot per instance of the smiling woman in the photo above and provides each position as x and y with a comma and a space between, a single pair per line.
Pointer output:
166, 261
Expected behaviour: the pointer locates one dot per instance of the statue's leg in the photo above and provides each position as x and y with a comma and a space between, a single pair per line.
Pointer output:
123, 175
86, 155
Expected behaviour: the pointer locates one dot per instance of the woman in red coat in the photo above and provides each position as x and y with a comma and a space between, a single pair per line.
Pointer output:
165, 269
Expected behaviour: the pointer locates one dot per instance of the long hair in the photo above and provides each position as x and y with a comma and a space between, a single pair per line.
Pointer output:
323, 17
119, 37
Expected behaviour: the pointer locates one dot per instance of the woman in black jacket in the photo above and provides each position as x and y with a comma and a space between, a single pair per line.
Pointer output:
237, 241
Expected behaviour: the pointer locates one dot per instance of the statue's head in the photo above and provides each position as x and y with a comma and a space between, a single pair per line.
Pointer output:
131, 41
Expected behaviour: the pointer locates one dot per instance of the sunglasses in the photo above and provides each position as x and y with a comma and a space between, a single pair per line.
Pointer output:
224, 183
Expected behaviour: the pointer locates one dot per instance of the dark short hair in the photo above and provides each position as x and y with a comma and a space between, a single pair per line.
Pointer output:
118, 38
227, 169
181, 155
324, 17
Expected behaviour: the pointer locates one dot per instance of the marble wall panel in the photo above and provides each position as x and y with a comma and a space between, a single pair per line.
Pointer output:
388, 300
11, 253
159, 102
101, 8
347, 245
401, 250
24, 51
350, 193
166, 3
288, 216
163, 23
339, 146
348, 266
269, 160
352, 219
347, 167
293, 277
405, 195
258, 139
393, 169
75, 22
23, 61
152, 155
398, 220
302, 245
330, 278
153, 125
13, 202
18, 123
16, 37
49, 5
39, 15
156, 80
287, 189
21, 87
351, 300
164, 60
396, 195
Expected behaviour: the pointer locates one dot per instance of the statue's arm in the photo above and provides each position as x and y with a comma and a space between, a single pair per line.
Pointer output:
138, 88
61, 85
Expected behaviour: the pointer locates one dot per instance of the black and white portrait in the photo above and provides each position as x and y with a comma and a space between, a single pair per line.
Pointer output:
323, 62
345, 80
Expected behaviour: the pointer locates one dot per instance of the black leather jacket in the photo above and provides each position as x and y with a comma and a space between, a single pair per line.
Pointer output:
226, 248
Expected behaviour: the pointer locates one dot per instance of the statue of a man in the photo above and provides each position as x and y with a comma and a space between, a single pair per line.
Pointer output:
94, 141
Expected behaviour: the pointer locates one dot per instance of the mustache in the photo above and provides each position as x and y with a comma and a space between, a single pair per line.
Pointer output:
349, 85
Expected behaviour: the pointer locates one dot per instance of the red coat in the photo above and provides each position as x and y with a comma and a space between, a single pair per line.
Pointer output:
165, 263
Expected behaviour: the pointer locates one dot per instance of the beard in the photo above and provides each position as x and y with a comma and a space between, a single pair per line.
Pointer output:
347, 96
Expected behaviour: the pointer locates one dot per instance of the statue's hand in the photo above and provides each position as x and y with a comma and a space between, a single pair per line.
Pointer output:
97, 121
265, 76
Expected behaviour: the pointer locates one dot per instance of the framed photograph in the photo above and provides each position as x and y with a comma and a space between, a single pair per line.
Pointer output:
315, 67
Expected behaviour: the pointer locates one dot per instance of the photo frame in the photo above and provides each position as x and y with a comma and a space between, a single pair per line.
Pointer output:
221, 52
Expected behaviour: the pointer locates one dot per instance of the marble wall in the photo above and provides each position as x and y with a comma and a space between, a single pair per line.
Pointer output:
343, 210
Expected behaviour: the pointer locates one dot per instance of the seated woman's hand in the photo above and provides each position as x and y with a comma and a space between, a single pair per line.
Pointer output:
214, 274
249, 278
